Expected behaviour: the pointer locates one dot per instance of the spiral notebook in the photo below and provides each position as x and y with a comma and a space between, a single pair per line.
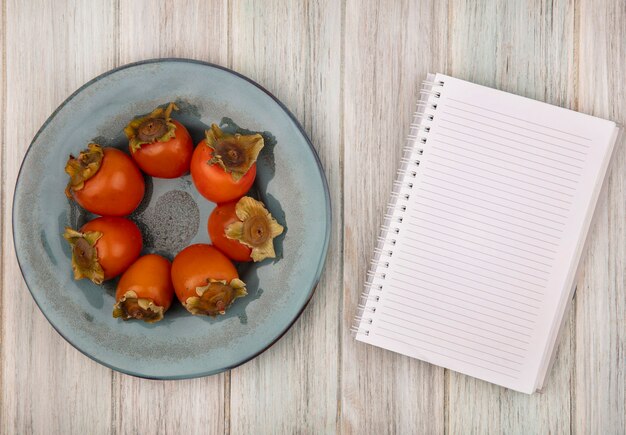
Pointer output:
476, 263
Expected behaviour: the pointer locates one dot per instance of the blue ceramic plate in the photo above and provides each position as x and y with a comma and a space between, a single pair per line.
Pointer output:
173, 215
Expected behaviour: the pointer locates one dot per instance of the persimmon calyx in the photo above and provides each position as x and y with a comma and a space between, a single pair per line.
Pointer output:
234, 153
215, 297
83, 167
130, 306
157, 126
85, 262
256, 228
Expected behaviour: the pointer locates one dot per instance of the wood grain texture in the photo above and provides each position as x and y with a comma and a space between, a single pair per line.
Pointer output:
600, 357
389, 48
294, 50
187, 28
526, 48
3, 109
47, 385
349, 71
195, 29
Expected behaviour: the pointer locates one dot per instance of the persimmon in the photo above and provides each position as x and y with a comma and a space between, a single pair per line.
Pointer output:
145, 290
104, 181
205, 280
223, 166
161, 146
244, 230
103, 248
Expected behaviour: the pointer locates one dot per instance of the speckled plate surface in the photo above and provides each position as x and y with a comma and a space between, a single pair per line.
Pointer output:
173, 215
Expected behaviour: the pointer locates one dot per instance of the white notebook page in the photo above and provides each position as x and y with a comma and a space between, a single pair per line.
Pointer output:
485, 256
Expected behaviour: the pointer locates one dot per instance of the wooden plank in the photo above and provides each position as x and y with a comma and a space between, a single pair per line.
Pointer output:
320, 58
389, 48
526, 48
51, 49
187, 28
293, 49
194, 29
600, 378
3, 108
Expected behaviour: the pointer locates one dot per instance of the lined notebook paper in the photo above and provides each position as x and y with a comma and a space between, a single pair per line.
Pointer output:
477, 260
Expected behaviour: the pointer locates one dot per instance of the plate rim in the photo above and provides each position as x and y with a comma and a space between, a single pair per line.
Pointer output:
327, 235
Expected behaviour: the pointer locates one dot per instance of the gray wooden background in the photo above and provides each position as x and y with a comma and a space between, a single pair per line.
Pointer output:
349, 70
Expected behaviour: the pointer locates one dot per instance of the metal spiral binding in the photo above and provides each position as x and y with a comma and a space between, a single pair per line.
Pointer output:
407, 175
